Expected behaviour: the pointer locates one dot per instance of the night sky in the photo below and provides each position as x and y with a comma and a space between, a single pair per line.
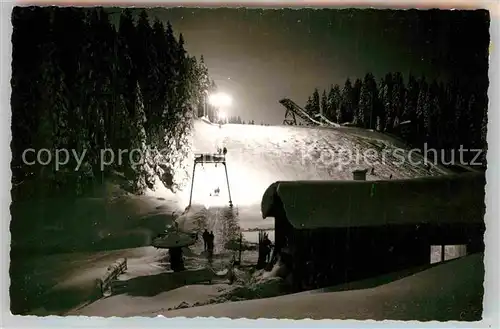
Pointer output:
260, 56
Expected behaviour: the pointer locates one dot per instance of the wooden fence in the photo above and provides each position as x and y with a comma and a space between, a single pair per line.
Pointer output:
114, 270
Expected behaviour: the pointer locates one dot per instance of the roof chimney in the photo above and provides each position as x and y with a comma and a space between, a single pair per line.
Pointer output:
359, 174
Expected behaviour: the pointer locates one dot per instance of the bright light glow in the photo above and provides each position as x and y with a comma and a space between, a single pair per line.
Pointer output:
208, 178
222, 116
245, 182
220, 100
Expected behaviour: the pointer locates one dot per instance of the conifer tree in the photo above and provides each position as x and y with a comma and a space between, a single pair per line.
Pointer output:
410, 105
367, 101
335, 98
309, 107
398, 97
138, 156
324, 104
316, 104
356, 93
422, 108
346, 107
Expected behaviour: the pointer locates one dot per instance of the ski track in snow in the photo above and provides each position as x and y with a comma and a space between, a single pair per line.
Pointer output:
261, 155
257, 157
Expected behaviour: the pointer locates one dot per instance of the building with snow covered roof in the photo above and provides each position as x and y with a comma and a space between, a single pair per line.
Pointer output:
339, 231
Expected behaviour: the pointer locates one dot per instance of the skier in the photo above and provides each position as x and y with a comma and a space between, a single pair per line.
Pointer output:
206, 237
267, 244
210, 243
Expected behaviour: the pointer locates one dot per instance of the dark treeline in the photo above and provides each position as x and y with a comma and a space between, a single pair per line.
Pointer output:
443, 115
81, 83
238, 120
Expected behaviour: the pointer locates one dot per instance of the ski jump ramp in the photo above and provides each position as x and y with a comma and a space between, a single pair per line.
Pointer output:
293, 109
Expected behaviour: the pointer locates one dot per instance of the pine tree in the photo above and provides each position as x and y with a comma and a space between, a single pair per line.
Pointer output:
213, 111
159, 99
422, 109
335, 99
324, 109
146, 60
429, 113
316, 105
410, 103
386, 98
367, 102
138, 157
309, 107
460, 110
398, 97
356, 93
97, 62
331, 106
205, 83
127, 71
345, 110
473, 130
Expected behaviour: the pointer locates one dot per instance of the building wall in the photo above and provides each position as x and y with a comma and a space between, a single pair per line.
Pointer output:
325, 257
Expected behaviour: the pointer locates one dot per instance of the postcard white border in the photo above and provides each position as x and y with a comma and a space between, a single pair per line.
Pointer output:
491, 296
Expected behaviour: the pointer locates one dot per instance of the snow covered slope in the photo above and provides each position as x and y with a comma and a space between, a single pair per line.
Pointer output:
261, 155
449, 291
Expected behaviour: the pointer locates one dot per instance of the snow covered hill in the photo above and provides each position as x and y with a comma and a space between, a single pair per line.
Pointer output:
258, 156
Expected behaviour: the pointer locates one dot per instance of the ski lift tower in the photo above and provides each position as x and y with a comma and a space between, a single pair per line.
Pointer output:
210, 158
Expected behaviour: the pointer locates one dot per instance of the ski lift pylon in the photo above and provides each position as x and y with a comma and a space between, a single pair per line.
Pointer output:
204, 158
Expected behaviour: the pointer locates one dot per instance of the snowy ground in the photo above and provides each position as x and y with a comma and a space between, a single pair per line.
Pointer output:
149, 286
77, 240
449, 291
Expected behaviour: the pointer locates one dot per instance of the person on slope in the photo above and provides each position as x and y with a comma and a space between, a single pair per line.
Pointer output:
206, 237
210, 246
267, 247
210, 243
